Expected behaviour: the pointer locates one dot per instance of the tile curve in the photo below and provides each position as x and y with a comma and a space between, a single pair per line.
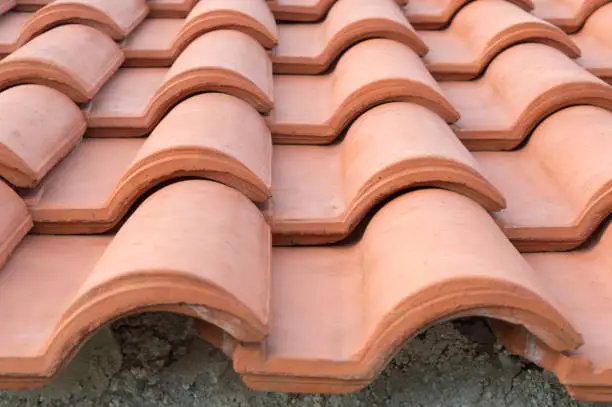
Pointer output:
471, 42
253, 18
30, 148
15, 221
400, 295
511, 101
208, 64
347, 23
211, 136
323, 192
115, 18
349, 91
151, 262
74, 59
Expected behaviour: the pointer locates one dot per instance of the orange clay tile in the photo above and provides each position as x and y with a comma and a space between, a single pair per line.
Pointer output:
211, 135
316, 109
15, 221
170, 8
311, 48
322, 192
203, 249
135, 99
305, 10
115, 18
582, 279
395, 282
6, 5
465, 48
521, 86
196, 246
157, 42
437, 14
569, 15
29, 147
559, 186
595, 42
75, 59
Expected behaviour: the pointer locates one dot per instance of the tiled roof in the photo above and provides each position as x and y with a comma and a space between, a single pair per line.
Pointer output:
315, 181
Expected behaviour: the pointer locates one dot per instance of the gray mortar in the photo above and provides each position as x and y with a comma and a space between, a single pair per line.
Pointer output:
157, 360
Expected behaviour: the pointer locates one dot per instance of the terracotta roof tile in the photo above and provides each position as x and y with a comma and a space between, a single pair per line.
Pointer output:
559, 190
174, 260
311, 48
94, 187
116, 18
322, 192
521, 86
437, 14
135, 99
568, 15
157, 42
373, 296
15, 221
595, 42
465, 48
423, 230
581, 278
30, 148
74, 59
315, 109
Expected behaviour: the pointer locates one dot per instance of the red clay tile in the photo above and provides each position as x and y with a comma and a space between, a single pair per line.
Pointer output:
437, 14
315, 109
29, 147
373, 296
311, 48
582, 279
15, 222
6, 5
521, 86
135, 99
465, 48
196, 247
569, 15
305, 10
595, 42
212, 135
115, 18
322, 192
74, 59
559, 186
170, 8
158, 42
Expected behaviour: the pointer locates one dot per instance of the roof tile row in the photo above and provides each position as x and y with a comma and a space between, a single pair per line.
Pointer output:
205, 93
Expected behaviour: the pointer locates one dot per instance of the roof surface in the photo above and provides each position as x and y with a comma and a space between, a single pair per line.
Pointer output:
316, 181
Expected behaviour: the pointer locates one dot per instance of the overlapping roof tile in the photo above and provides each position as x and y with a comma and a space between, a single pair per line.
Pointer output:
152, 156
595, 42
315, 109
521, 86
465, 48
437, 14
569, 15
157, 42
74, 59
135, 99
